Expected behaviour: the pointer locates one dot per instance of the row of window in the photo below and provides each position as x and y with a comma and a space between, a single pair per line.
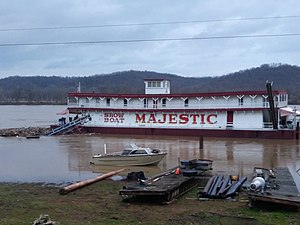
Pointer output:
155, 102
154, 84
163, 102
282, 98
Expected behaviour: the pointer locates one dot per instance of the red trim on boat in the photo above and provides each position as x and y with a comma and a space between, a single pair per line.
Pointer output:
234, 93
80, 109
268, 134
154, 79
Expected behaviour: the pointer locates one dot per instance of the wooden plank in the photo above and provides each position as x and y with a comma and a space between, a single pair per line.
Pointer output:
81, 184
276, 200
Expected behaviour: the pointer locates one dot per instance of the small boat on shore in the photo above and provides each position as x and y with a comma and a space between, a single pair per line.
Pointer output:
131, 156
33, 137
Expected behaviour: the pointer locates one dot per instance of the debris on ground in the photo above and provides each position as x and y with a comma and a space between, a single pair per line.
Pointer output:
274, 188
134, 176
24, 132
221, 186
44, 220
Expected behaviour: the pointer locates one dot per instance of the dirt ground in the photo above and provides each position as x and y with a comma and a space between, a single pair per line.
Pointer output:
101, 203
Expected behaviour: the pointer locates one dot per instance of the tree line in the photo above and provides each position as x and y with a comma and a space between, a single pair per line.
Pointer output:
54, 89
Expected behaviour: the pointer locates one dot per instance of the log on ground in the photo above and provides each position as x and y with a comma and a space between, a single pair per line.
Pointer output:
81, 184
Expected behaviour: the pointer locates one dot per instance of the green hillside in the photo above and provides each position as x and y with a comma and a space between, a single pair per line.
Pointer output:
53, 90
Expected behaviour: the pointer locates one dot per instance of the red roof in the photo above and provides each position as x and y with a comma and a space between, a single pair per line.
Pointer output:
233, 93
154, 79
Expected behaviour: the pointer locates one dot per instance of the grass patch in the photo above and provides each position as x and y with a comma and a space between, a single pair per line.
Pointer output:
101, 203
278, 217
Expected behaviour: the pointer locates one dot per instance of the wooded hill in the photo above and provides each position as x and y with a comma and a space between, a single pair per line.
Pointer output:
53, 90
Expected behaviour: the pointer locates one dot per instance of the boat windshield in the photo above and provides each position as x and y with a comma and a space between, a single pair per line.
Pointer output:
137, 152
126, 151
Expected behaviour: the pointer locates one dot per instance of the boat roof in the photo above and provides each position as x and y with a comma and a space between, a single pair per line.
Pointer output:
134, 147
207, 94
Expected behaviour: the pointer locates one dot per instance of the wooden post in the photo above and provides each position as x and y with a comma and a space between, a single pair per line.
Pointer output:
104, 149
81, 184
201, 152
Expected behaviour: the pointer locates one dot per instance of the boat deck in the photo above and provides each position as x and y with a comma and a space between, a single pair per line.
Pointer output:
284, 192
163, 188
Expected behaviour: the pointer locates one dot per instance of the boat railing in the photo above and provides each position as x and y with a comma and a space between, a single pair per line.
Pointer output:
268, 125
170, 107
67, 127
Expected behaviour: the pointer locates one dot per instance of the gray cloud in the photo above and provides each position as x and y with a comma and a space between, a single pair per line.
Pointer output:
188, 58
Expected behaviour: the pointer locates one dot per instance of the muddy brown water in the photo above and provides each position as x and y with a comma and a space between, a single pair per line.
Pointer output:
61, 159
66, 158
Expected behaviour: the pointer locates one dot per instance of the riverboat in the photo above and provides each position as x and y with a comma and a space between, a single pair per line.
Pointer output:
241, 114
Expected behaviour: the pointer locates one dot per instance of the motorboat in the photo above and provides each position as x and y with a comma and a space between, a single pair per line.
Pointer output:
130, 156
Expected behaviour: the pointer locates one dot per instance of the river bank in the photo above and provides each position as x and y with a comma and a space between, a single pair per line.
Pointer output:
24, 132
100, 203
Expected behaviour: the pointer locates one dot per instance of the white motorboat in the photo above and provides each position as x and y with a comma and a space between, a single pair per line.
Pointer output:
131, 156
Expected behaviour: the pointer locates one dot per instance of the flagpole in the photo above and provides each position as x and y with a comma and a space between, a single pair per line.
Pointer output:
79, 88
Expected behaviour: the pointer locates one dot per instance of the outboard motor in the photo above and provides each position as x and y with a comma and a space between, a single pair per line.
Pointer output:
257, 184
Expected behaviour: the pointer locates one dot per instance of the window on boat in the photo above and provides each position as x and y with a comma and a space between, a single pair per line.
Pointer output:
145, 103
164, 102
126, 152
141, 151
108, 102
282, 97
125, 102
241, 101
186, 102
154, 84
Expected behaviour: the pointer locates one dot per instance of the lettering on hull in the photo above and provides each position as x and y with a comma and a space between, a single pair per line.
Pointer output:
160, 119
174, 118
113, 117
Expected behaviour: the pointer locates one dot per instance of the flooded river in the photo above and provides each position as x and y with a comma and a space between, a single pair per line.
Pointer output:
60, 159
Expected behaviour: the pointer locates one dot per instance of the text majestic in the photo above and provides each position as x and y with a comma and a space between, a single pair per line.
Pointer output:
174, 118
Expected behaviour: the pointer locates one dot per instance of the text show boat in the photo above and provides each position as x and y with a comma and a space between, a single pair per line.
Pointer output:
131, 156
240, 114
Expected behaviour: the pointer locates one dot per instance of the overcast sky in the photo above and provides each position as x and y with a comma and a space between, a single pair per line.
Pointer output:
151, 20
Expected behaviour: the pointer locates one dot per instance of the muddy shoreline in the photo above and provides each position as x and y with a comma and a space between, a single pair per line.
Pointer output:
24, 132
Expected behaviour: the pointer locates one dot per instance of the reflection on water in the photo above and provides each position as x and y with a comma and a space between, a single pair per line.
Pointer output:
66, 158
